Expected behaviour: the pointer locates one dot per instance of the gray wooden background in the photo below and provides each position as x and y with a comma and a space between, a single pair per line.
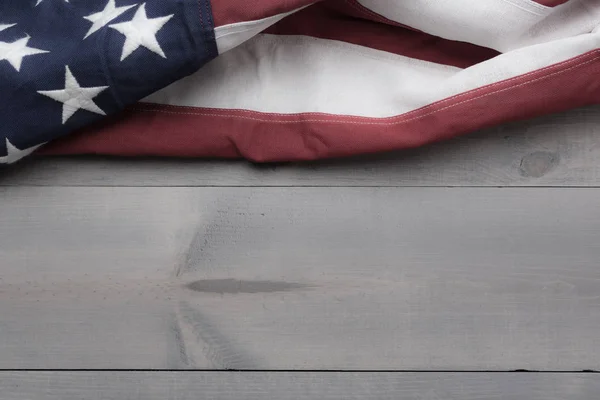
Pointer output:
435, 273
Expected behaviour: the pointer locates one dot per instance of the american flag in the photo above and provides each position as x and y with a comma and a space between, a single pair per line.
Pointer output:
279, 80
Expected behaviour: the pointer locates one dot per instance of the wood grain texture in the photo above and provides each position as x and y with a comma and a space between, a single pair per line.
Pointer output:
557, 150
300, 278
295, 385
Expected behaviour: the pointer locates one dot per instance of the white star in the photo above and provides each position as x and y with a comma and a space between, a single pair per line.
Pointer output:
141, 31
13, 154
5, 26
15, 52
39, 1
100, 19
75, 97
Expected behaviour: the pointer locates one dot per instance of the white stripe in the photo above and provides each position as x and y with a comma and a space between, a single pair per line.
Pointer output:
298, 74
232, 35
503, 25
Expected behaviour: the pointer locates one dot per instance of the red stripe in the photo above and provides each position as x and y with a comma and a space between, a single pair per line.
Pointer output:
339, 20
551, 3
232, 11
179, 131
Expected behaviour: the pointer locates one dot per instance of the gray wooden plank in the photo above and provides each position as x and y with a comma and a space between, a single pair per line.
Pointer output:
300, 278
557, 150
296, 385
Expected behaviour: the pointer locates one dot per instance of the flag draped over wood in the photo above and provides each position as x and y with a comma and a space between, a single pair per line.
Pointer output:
275, 80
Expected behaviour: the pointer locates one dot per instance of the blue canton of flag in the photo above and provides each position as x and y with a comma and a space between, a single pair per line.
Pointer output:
65, 64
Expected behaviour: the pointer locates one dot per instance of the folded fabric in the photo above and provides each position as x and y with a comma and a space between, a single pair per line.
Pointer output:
282, 80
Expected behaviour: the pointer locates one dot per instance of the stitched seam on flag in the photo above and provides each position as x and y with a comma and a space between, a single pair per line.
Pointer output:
234, 32
535, 4
397, 117
207, 10
245, 26
201, 15
102, 44
531, 4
